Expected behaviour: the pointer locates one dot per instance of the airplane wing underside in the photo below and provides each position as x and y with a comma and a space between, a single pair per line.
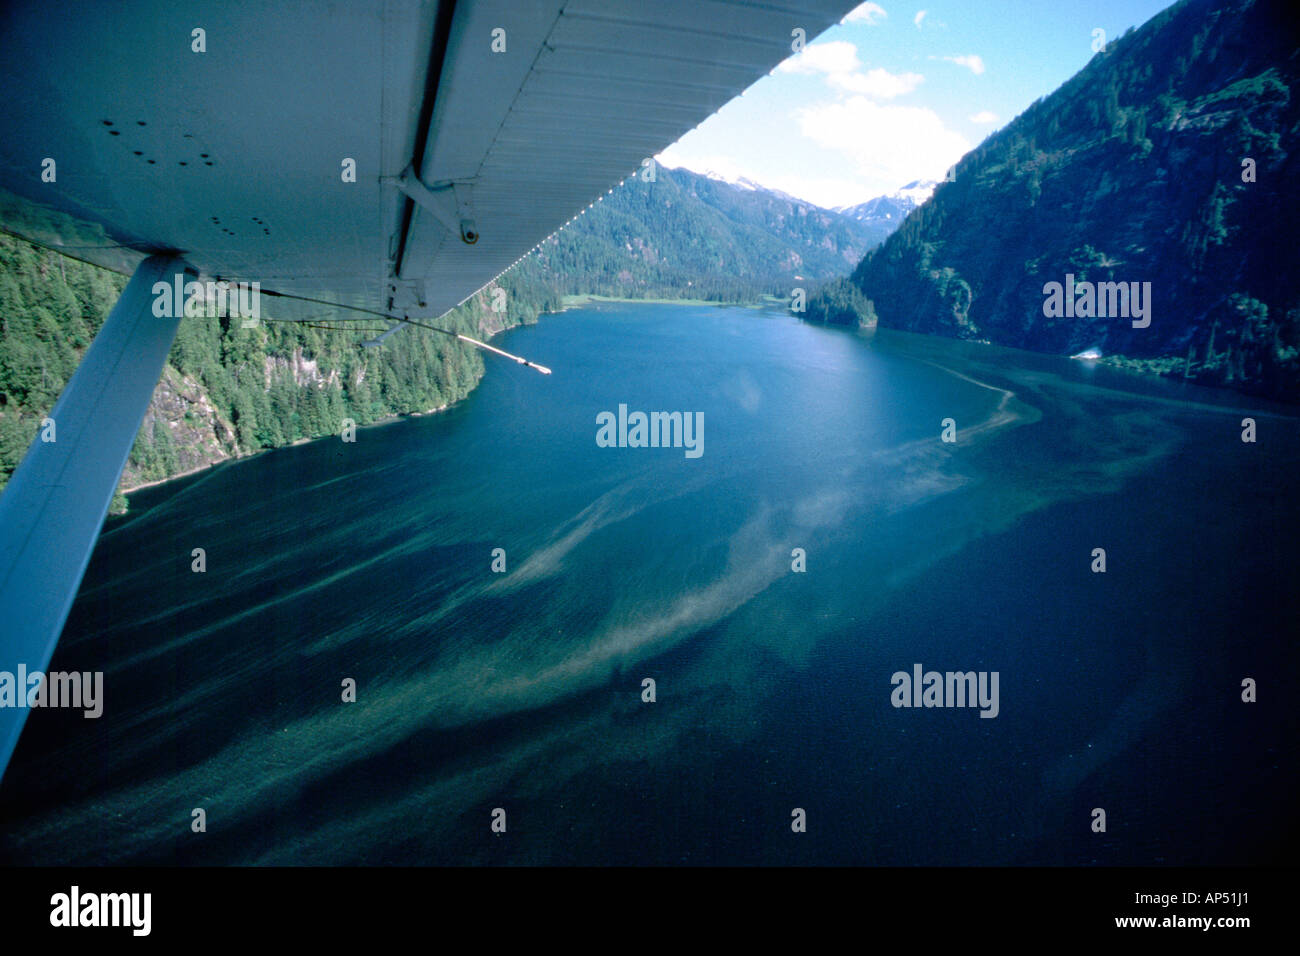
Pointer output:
231, 147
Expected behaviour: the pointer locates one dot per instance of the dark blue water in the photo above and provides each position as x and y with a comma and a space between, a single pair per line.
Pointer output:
522, 690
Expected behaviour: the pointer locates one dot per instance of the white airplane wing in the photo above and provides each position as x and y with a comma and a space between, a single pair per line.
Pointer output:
391, 156
230, 147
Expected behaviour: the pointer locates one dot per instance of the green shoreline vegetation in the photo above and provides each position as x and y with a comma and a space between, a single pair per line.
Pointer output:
225, 392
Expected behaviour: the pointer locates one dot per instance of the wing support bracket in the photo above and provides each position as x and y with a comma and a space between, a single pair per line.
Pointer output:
448, 202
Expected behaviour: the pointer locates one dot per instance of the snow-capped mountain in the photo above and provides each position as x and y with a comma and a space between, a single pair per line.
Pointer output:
916, 192
742, 219
744, 182
888, 211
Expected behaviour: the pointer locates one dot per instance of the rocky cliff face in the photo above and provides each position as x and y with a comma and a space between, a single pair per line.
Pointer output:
183, 430
1167, 162
200, 434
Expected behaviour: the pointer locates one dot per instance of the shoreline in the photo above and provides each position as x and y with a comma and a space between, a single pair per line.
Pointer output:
126, 492
1137, 367
577, 301
386, 420
568, 303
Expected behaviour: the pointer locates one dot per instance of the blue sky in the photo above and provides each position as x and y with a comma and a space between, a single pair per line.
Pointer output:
896, 93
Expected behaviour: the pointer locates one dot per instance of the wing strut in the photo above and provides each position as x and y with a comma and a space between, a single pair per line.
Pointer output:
55, 503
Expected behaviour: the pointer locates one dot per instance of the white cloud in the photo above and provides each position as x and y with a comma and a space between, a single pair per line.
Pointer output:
869, 13
838, 61
887, 145
983, 117
837, 56
879, 84
920, 15
971, 62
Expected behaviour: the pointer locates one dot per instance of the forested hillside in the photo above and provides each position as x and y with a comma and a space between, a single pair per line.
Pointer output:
226, 391
1169, 159
686, 235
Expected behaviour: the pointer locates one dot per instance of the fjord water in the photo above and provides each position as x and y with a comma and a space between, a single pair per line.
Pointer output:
523, 690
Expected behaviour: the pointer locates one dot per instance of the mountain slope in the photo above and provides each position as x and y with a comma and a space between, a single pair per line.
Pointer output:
686, 234
1132, 171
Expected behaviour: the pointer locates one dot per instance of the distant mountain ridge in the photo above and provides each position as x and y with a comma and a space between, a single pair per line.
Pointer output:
703, 236
741, 182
